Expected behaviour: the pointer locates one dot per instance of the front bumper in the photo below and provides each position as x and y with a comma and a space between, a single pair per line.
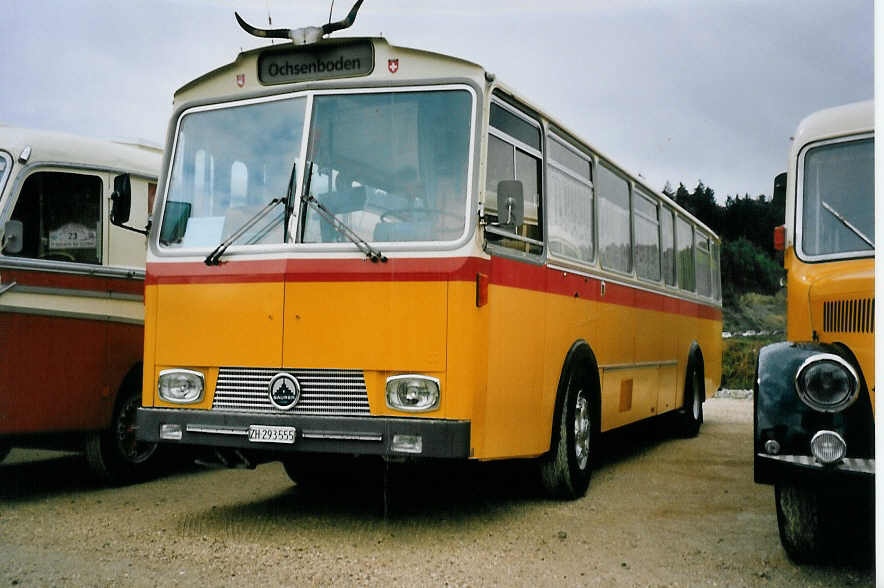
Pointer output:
770, 468
344, 435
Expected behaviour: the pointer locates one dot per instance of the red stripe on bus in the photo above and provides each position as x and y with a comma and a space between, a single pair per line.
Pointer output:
229, 272
319, 270
63, 281
502, 272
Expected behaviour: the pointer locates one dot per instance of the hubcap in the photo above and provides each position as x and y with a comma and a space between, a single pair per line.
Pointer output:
581, 430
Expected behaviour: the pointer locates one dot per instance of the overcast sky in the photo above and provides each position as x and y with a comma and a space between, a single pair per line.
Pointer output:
677, 90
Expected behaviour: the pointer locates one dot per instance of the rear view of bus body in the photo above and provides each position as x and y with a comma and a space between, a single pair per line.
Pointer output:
71, 297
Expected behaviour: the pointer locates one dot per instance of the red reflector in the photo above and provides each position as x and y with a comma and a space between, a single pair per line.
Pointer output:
779, 238
481, 290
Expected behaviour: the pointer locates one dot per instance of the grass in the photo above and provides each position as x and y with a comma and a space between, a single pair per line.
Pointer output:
755, 312
750, 312
738, 360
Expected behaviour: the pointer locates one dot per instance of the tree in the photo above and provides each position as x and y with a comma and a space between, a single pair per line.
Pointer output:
745, 225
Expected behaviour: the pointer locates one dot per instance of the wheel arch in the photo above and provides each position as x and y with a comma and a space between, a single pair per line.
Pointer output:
132, 380
579, 356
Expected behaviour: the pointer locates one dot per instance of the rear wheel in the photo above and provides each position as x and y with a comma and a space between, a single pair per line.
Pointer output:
691, 416
565, 470
799, 519
115, 455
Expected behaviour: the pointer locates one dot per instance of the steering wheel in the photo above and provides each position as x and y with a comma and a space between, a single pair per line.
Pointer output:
58, 256
409, 214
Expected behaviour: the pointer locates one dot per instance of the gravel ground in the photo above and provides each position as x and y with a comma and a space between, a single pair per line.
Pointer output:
660, 511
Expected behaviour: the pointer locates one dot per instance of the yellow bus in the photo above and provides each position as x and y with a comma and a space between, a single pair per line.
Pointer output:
366, 249
815, 393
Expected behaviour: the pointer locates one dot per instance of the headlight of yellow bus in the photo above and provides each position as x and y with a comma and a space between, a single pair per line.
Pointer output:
181, 386
413, 393
827, 383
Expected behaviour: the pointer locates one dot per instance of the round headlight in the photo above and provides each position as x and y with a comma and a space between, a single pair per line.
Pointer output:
827, 383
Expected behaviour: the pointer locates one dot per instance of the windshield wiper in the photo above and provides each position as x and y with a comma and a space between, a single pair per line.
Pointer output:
214, 258
370, 252
328, 216
847, 224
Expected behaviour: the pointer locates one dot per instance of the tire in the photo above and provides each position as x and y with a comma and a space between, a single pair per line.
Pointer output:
114, 455
691, 416
799, 519
566, 469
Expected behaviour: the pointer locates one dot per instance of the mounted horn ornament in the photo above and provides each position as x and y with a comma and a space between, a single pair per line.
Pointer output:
305, 35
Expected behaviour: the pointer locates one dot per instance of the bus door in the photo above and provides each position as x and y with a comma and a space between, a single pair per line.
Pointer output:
517, 299
375, 159
227, 311
60, 305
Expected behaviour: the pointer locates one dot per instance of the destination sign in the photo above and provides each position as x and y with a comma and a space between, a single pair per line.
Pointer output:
316, 62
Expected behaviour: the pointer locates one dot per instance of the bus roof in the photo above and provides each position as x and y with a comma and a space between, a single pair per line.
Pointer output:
62, 148
849, 119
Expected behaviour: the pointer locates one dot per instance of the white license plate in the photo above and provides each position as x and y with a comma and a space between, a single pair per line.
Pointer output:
270, 434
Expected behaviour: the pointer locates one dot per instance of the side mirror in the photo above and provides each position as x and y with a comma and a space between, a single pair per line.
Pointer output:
121, 200
510, 204
13, 237
779, 188
779, 200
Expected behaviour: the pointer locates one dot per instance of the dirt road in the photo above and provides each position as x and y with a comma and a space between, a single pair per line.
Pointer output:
660, 511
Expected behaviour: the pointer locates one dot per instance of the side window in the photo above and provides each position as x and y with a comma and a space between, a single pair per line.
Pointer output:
716, 270
647, 236
685, 239
667, 236
703, 258
514, 154
569, 178
615, 242
61, 217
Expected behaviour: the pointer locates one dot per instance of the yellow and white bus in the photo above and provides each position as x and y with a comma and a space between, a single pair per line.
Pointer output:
815, 393
72, 297
366, 249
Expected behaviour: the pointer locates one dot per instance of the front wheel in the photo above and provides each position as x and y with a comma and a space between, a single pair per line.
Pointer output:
799, 519
566, 469
115, 455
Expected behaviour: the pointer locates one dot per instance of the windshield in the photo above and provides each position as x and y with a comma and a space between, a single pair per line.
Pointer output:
838, 199
229, 163
392, 166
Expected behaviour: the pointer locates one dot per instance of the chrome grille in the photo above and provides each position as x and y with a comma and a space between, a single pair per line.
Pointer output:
323, 392
849, 316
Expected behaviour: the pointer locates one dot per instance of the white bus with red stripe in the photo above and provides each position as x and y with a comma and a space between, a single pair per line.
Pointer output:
72, 296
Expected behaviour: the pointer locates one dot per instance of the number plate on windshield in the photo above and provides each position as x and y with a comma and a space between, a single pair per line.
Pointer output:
270, 434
